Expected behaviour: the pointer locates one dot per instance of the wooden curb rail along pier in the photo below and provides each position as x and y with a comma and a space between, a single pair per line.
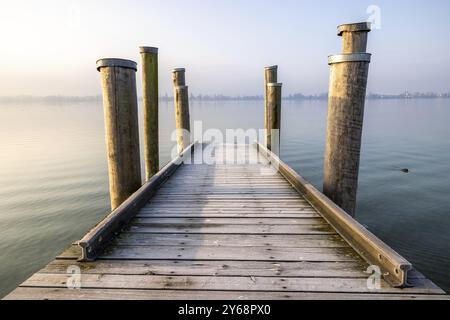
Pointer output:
253, 230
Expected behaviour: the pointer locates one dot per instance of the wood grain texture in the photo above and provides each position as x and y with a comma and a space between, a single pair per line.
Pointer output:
346, 99
182, 119
344, 269
273, 117
270, 76
35, 293
150, 106
245, 283
122, 132
353, 42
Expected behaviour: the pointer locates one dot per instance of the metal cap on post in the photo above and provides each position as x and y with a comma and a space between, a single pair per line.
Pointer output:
116, 62
149, 57
354, 36
118, 79
347, 93
179, 77
275, 67
153, 50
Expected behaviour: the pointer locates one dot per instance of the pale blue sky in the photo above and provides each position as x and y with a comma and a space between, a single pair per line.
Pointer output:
50, 47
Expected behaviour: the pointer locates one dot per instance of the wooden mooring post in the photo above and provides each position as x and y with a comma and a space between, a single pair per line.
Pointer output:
149, 57
347, 93
273, 117
118, 80
270, 76
181, 102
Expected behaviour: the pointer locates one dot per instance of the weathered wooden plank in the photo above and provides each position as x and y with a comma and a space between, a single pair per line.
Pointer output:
262, 174
218, 240
228, 200
192, 199
208, 193
186, 252
269, 206
238, 210
227, 183
342, 269
222, 214
227, 186
214, 268
230, 205
235, 229
230, 183
280, 284
229, 253
230, 208
211, 180
243, 183
228, 191
228, 221
124, 294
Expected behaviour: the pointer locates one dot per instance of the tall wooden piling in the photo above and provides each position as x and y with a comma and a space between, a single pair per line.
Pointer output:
347, 92
118, 79
274, 117
181, 102
270, 76
149, 57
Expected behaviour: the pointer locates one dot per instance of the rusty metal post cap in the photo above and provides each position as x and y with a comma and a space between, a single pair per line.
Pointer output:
354, 27
353, 57
114, 62
271, 67
148, 50
178, 70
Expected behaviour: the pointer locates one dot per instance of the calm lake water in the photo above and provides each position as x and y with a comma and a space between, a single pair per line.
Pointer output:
54, 185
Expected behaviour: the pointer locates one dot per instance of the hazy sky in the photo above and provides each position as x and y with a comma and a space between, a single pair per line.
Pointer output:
50, 47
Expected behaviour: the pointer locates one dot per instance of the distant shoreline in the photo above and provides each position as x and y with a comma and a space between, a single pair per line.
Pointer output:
295, 97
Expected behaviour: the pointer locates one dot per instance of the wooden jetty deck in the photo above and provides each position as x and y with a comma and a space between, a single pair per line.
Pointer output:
228, 231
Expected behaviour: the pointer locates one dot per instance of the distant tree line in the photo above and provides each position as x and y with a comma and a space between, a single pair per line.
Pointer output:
51, 99
221, 97
409, 95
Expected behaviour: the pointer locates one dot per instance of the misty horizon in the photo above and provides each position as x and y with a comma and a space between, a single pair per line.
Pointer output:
222, 97
53, 46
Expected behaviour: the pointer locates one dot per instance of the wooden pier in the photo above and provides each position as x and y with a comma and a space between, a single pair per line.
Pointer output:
243, 226
227, 231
